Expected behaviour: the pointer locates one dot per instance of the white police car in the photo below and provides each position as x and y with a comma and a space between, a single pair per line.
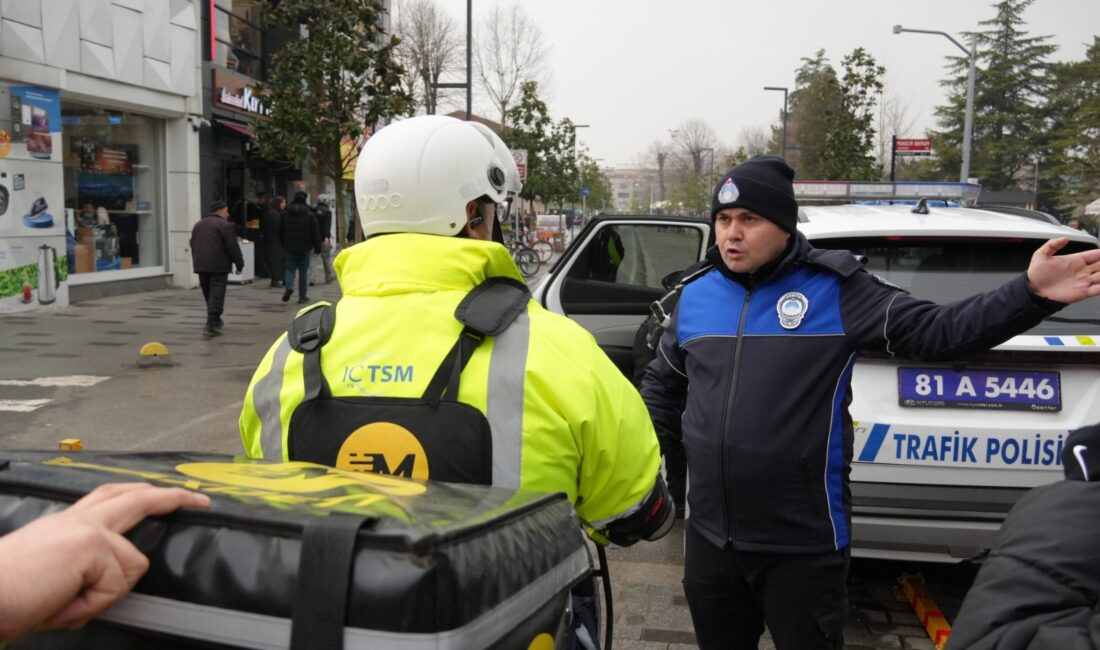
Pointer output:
942, 450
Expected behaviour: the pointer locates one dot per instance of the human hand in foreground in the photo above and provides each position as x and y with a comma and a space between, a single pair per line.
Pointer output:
64, 569
1064, 278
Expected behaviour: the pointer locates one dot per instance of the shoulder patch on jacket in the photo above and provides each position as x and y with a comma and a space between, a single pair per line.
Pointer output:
843, 263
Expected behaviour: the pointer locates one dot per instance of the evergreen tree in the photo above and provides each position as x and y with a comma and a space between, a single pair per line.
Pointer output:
1072, 179
815, 100
850, 140
830, 128
1012, 77
336, 79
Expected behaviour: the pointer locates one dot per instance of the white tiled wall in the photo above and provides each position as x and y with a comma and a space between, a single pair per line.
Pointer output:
153, 44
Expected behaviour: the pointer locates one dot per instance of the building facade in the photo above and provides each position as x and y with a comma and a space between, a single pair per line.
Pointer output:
100, 112
635, 190
237, 50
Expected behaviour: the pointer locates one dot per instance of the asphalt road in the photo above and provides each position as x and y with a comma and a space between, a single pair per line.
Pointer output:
73, 372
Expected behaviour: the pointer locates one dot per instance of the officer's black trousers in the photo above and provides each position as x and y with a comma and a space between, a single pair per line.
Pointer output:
803, 599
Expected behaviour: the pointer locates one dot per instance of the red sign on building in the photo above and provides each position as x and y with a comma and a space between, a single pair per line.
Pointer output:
913, 147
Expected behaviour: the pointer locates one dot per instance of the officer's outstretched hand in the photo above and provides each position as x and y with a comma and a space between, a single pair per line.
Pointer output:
1064, 278
63, 569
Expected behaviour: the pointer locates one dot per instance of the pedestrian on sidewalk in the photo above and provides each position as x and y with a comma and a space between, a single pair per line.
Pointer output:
300, 236
214, 251
272, 247
324, 223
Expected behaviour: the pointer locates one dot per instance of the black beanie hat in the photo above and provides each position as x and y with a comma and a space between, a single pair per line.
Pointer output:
763, 184
215, 206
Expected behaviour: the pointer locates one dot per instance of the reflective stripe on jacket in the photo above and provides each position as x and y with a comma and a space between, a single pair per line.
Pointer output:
563, 417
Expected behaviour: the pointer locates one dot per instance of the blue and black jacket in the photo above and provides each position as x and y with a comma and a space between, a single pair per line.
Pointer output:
768, 359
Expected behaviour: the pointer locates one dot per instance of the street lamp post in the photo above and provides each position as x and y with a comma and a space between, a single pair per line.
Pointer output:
469, 45
968, 124
711, 150
783, 151
710, 178
575, 127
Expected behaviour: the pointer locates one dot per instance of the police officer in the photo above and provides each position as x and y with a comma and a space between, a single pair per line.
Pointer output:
430, 194
766, 341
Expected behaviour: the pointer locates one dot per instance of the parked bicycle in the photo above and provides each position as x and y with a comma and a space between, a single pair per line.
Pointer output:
542, 246
525, 257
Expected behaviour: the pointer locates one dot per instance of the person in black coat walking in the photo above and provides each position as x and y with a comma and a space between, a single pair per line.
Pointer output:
300, 236
324, 222
214, 251
271, 247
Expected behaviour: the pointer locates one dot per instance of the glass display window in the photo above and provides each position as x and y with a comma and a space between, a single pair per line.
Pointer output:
113, 177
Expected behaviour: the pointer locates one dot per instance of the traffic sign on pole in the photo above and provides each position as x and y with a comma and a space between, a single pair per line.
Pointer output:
520, 156
584, 191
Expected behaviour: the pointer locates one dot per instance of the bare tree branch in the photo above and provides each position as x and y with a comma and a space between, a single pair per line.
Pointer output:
755, 140
693, 142
429, 48
510, 51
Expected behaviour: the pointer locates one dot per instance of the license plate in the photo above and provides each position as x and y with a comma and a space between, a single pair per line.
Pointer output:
979, 389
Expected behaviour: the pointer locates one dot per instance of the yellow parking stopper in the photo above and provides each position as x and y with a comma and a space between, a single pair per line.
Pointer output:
152, 354
70, 444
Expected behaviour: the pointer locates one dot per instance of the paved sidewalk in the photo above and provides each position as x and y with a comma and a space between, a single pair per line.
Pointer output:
191, 405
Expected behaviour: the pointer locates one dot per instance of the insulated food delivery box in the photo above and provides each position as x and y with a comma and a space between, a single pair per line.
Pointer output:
302, 555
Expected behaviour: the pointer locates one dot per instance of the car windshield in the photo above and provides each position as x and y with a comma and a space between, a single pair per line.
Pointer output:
949, 269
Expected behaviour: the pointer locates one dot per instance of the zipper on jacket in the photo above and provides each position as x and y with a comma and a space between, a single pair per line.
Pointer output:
726, 415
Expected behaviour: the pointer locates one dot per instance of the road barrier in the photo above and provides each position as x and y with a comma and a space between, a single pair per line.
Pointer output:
911, 589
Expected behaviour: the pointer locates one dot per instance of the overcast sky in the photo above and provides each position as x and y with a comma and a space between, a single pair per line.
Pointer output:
633, 69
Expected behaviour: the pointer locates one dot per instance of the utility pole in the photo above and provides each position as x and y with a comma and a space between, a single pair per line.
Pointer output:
783, 150
468, 85
968, 124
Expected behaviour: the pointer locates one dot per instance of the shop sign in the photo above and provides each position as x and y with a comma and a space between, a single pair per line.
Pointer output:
235, 92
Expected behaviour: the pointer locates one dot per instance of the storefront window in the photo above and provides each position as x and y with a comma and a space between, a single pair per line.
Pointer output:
113, 175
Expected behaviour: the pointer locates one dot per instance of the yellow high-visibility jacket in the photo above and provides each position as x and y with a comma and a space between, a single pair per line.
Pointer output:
563, 417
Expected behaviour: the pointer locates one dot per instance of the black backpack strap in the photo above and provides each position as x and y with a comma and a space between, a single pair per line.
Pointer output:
491, 306
310, 330
320, 608
487, 310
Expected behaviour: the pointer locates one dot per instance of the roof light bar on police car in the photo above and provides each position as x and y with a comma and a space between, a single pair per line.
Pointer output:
964, 193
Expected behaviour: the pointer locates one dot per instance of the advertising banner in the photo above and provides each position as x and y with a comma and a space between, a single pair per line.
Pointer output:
33, 258
33, 273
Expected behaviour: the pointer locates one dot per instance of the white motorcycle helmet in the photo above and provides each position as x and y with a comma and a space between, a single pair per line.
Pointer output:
417, 175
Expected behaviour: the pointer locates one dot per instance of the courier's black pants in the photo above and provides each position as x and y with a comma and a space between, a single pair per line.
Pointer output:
732, 594
213, 291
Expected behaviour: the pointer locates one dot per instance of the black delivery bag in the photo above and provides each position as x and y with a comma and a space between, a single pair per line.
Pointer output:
302, 555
